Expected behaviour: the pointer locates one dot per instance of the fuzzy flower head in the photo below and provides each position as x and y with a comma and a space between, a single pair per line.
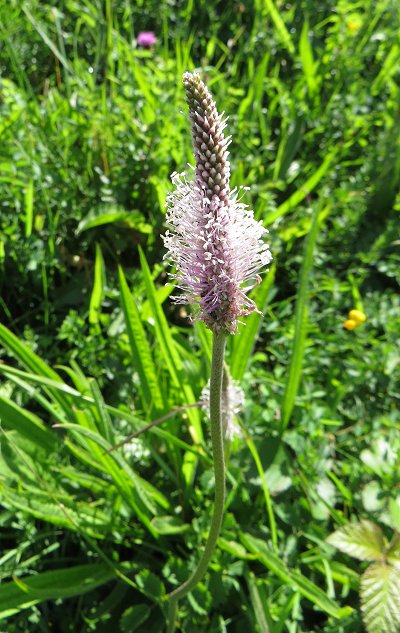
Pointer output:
215, 243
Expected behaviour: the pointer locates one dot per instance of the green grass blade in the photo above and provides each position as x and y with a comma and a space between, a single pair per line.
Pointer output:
264, 485
46, 39
119, 470
29, 208
243, 343
104, 423
169, 351
281, 29
35, 364
307, 60
50, 585
293, 578
258, 604
27, 424
98, 287
300, 322
303, 191
141, 353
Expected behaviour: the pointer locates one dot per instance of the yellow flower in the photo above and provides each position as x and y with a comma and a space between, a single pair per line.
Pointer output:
350, 324
357, 316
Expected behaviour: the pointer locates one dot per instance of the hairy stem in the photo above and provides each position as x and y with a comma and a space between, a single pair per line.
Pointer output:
217, 440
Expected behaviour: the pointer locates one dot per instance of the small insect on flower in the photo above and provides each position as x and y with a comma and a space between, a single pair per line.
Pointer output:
215, 242
355, 318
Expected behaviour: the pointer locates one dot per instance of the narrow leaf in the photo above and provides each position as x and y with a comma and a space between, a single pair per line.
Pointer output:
50, 585
293, 578
28, 424
243, 343
98, 287
141, 354
300, 323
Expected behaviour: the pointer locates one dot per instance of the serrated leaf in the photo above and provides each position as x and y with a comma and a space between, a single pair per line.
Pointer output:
380, 598
363, 540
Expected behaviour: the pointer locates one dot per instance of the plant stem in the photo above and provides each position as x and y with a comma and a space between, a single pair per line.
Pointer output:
217, 441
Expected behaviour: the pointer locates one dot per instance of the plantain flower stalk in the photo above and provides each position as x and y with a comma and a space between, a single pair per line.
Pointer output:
218, 250
214, 241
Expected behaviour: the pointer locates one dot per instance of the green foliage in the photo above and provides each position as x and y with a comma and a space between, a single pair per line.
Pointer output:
93, 352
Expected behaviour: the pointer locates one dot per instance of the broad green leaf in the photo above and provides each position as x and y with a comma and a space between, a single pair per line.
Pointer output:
50, 585
141, 353
99, 283
380, 598
293, 578
363, 540
393, 551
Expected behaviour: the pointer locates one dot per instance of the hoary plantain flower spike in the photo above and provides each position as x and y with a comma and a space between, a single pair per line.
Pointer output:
215, 242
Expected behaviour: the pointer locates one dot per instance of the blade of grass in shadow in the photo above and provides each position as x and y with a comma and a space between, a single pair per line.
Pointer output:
300, 321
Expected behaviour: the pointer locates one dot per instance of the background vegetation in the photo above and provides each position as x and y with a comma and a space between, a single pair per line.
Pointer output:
91, 128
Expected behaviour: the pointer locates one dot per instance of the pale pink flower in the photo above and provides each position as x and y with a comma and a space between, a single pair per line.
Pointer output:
215, 242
